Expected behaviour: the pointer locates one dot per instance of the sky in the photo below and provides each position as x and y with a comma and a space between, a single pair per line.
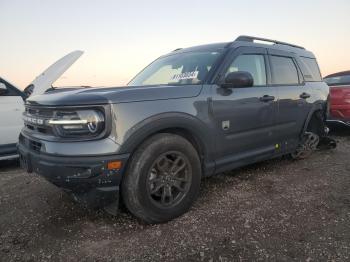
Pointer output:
120, 38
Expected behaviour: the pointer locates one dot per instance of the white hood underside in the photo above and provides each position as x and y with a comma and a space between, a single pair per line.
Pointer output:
45, 80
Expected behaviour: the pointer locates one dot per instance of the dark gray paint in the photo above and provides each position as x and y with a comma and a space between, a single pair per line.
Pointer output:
125, 94
256, 126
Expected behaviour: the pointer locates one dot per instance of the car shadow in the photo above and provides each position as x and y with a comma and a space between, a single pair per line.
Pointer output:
339, 130
9, 164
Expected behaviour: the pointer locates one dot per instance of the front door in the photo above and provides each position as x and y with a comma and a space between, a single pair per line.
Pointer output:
11, 109
244, 117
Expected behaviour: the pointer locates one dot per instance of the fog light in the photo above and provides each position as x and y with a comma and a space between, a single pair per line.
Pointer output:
114, 165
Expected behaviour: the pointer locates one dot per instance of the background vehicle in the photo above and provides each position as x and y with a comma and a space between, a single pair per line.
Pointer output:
191, 113
340, 97
12, 103
11, 110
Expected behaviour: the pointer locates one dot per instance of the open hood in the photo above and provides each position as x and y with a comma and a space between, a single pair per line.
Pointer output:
45, 80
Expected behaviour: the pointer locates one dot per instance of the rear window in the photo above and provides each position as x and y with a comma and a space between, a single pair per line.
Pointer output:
338, 80
284, 71
310, 69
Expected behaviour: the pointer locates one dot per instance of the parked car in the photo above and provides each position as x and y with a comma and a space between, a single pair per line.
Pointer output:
191, 113
340, 97
12, 103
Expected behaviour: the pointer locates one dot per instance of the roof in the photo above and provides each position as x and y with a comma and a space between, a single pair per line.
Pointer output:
249, 41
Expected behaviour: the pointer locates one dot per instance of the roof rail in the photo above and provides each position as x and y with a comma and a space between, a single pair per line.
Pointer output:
246, 38
177, 49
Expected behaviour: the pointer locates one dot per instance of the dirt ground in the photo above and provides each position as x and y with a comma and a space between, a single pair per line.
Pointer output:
278, 210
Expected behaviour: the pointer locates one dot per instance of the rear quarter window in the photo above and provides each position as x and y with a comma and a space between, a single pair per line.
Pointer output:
310, 69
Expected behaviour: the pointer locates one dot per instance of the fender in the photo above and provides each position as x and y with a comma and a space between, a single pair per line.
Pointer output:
161, 122
317, 106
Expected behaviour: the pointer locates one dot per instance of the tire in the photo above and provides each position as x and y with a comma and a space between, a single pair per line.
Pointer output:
307, 146
164, 159
311, 137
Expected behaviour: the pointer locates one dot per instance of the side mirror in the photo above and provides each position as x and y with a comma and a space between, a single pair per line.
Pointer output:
238, 79
3, 88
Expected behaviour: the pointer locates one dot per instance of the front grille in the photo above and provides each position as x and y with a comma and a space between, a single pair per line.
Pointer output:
42, 130
37, 113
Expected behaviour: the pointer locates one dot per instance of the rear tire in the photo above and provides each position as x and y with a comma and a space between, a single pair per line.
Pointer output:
311, 137
162, 179
307, 146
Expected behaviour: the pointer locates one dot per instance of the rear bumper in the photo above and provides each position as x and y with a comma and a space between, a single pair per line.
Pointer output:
87, 178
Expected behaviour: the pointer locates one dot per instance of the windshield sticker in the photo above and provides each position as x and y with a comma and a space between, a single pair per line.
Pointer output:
183, 76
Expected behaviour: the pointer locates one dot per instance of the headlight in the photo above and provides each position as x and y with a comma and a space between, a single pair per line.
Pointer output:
78, 123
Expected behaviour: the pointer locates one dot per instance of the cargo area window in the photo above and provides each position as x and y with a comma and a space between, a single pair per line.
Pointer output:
310, 69
253, 64
284, 71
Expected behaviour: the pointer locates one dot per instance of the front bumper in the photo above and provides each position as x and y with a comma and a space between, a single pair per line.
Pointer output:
87, 178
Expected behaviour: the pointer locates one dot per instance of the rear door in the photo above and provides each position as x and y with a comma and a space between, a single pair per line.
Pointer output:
293, 97
244, 117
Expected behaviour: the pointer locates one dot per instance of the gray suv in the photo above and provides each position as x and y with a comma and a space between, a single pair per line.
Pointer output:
191, 113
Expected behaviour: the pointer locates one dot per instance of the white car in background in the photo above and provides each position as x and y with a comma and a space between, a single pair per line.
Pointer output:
12, 103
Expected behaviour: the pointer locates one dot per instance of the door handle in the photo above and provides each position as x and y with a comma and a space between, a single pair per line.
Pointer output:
267, 98
304, 95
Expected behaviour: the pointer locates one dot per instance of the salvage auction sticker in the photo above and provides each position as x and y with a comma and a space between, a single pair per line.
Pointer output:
183, 76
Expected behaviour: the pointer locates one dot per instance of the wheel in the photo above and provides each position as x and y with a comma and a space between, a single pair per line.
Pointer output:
307, 146
162, 179
311, 137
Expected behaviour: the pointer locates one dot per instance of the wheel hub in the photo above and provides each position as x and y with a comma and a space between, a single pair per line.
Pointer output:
169, 179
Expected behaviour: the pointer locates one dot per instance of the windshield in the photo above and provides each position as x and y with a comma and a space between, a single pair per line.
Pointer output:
189, 68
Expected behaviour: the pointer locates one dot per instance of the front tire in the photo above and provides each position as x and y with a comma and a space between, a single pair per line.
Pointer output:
163, 178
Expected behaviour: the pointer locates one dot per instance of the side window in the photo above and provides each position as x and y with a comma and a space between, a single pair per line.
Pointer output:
3, 89
7, 89
254, 64
284, 71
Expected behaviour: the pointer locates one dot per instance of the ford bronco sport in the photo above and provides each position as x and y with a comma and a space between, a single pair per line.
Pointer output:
191, 113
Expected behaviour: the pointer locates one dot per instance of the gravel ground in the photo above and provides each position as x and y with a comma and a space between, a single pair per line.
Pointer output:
278, 210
